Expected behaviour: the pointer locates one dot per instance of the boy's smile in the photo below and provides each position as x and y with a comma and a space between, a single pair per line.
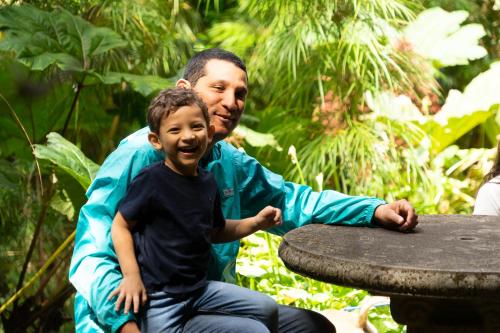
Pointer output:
183, 136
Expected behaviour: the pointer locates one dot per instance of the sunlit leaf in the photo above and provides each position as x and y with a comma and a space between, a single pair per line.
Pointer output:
256, 139
66, 156
60, 202
436, 34
463, 111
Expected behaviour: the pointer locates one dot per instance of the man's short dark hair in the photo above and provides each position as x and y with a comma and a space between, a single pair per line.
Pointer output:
195, 67
170, 100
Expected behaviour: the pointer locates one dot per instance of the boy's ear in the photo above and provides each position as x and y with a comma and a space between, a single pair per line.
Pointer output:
210, 132
182, 83
154, 139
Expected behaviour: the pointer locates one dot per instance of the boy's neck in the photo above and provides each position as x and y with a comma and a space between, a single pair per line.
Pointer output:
181, 169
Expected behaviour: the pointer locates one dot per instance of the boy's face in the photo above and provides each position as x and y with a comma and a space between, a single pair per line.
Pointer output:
223, 88
184, 136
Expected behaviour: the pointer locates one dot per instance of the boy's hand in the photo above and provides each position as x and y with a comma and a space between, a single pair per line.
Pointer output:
132, 291
267, 218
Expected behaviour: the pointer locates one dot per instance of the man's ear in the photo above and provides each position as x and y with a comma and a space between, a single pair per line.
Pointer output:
182, 83
210, 132
154, 139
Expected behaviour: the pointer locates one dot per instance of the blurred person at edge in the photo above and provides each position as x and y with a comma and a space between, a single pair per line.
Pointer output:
488, 197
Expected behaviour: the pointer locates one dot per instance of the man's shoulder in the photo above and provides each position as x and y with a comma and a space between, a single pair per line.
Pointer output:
227, 151
124, 163
134, 146
138, 139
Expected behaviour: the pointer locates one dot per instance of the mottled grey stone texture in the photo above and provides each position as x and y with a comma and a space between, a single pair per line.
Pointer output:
452, 255
443, 277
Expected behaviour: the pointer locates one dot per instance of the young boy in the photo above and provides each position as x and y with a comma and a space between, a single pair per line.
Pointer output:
163, 230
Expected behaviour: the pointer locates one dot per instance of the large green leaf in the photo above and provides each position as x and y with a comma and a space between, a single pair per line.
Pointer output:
437, 35
464, 111
256, 139
460, 113
67, 157
40, 39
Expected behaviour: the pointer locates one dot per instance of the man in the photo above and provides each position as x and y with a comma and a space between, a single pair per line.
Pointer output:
220, 79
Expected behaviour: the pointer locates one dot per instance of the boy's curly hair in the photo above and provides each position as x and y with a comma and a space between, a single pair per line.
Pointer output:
169, 101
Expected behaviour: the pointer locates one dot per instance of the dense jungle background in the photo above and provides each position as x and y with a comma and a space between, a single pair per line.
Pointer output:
394, 99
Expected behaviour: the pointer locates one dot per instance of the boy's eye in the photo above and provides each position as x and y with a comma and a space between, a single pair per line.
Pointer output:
173, 130
198, 126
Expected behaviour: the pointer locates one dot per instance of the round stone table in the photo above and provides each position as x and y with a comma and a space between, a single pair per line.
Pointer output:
442, 277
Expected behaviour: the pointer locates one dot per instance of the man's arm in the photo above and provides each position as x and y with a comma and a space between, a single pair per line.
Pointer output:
301, 205
94, 269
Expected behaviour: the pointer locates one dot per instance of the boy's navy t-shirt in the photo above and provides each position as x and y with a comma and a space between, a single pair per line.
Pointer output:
174, 216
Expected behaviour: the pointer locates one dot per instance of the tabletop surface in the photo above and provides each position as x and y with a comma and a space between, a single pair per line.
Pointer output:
445, 256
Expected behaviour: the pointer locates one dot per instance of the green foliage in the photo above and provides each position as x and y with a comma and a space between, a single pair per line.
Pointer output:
351, 84
40, 39
437, 35
160, 34
459, 115
259, 268
146, 85
69, 158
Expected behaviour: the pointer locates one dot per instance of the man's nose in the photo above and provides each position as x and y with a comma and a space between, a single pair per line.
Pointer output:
229, 101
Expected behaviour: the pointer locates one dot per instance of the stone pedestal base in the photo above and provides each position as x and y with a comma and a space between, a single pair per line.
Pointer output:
434, 315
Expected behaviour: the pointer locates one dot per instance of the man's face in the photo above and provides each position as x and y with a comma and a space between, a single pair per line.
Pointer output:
223, 88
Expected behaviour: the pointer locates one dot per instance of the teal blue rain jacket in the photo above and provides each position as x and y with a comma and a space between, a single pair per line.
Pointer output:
245, 187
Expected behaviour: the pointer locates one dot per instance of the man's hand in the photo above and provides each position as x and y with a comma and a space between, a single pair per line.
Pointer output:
399, 215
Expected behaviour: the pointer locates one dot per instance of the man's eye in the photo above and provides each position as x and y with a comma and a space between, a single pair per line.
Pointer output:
219, 88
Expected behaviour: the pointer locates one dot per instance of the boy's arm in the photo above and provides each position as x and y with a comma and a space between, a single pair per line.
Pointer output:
236, 229
131, 289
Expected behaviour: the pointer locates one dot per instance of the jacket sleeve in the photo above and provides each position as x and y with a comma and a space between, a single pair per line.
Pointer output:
300, 204
94, 269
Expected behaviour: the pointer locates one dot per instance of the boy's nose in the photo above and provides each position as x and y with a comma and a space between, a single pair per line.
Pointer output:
188, 135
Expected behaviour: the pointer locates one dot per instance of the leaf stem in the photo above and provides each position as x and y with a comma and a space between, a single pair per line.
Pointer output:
79, 88
20, 124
